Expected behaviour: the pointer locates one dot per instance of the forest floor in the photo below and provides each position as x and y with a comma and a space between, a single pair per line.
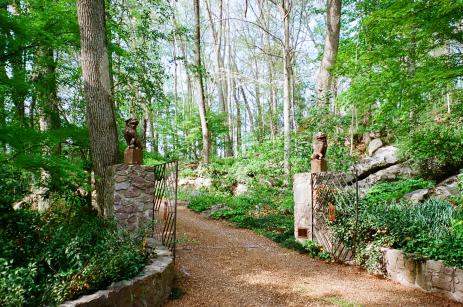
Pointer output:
221, 265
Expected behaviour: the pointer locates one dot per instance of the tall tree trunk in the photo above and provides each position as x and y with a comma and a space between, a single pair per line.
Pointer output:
3, 80
101, 119
273, 101
201, 99
325, 76
154, 143
20, 90
47, 90
238, 122
286, 91
18, 65
221, 84
248, 109
260, 111
293, 99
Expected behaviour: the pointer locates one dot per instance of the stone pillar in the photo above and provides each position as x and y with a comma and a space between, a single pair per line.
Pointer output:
302, 189
133, 195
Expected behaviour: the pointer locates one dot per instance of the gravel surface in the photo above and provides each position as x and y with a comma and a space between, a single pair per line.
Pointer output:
220, 265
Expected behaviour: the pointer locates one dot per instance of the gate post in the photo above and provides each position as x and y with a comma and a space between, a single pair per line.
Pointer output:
133, 196
302, 189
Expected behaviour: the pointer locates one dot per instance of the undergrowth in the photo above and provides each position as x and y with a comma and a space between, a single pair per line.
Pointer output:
429, 230
67, 251
267, 212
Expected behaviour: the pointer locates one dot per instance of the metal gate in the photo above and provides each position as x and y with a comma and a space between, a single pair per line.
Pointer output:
334, 200
165, 204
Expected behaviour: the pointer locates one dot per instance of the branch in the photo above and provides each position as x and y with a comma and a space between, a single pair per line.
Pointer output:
276, 38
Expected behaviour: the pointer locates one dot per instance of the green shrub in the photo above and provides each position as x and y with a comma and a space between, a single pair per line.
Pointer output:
268, 212
436, 149
67, 251
448, 248
315, 250
393, 191
425, 230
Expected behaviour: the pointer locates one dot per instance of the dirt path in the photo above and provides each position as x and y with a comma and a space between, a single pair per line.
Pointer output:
226, 266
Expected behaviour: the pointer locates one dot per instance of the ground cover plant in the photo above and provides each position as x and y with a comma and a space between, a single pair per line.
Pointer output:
429, 230
395, 190
266, 212
47, 258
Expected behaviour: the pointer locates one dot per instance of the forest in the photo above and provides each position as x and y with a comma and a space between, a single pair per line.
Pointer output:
235, 91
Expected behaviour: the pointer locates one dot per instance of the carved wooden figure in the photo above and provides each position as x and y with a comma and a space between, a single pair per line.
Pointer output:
319, 151
319, 146
133, 154
131, 133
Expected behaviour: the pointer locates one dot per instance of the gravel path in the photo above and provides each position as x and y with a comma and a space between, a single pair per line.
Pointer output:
221, 265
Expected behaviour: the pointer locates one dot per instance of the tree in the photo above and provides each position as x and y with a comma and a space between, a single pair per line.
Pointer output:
97, 89
285, 10
220, 79
201, 99
325, 76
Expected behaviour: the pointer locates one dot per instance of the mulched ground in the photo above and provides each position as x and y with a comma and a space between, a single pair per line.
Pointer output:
220, 265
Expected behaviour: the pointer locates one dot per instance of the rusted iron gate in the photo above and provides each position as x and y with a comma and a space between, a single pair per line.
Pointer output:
335, 196
165, 204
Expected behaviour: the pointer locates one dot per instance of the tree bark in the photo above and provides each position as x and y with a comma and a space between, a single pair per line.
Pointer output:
154, 142
201, 99
100, 107
238, 122
273, 101
221, 84
325, 76
47, 90
286, 91
260, 111
248, 109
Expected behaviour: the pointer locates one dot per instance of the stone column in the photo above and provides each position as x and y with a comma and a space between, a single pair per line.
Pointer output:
302, 189
133, 195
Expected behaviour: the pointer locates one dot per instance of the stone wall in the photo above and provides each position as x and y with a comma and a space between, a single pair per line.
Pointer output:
149, 288
133, 195
429, 275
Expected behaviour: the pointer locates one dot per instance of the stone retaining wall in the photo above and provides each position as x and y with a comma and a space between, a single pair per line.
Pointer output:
133, 194
149, 288
429, 275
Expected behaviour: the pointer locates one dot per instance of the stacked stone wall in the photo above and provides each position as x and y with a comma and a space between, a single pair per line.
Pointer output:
133, 195
429, 275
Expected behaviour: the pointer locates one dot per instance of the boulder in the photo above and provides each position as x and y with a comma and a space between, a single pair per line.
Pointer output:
388, 174
382, 158
418, 195
39, 199
448, 187
240, 189
195, 183
373, 146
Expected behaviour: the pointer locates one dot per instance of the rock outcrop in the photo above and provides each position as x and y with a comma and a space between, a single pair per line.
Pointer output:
373, 146
390, 173
382, 158
448, 187
418, 195
195, 183
240, 189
